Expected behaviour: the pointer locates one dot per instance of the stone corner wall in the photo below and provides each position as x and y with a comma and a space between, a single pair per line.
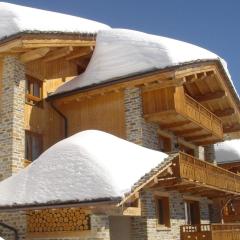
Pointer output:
12, 133
137, 129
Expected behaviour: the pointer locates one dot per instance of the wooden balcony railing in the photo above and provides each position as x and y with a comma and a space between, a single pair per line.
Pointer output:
195, 170
198, 113
210, 232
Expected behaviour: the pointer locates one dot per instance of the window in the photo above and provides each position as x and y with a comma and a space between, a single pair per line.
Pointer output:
162, 211
192, 212
165, 144
33, 145
33, 90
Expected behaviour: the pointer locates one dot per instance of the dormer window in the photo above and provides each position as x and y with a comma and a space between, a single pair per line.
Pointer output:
33, 90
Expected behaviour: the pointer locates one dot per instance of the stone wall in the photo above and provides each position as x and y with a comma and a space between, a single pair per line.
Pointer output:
137, 129
12, 117
209, 154
146, 228
12, 133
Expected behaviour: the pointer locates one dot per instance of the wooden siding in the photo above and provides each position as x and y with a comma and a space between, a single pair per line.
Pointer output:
44, 119
102, 112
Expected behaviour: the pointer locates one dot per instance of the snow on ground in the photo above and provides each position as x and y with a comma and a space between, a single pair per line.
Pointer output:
228, 151
122, 52
87, 166
15, 19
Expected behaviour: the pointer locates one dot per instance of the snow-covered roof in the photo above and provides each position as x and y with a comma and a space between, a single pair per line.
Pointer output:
228, 151
87, 166
16, 19
121, 52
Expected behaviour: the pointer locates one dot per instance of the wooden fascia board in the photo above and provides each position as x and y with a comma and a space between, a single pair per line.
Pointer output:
37, 42
114, 86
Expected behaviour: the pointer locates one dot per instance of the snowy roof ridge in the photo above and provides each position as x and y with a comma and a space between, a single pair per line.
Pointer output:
121, 53
90, 169
16, 19
227, 151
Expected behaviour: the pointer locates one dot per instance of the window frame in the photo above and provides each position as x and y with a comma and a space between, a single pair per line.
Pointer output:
30, 97
188, 212
166, 221
32, 134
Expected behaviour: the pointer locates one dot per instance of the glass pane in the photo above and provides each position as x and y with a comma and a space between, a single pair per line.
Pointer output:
27, 146
36, 146
160, 212
36, 89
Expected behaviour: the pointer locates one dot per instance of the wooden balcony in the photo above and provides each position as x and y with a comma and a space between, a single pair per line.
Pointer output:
189, 175
205, 178
210, 232
174, 110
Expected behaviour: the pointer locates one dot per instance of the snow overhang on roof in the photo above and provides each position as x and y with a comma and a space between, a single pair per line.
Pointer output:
80, 169
227, 151
121, 53
16, 19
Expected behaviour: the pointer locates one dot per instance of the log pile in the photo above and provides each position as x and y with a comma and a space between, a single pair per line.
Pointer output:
58, 220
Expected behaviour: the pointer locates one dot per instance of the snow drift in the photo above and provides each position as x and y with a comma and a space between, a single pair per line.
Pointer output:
90, 165
121, 52
228, 151
15, 19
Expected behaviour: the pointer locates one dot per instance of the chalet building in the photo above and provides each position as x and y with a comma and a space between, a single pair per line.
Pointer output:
76, 90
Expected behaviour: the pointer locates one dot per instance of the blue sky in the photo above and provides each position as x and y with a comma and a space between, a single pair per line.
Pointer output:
211, 24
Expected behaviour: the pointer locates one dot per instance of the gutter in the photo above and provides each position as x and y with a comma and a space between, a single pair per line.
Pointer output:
14, 230
63, 117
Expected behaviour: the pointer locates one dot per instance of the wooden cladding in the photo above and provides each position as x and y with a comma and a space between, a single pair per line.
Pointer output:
174, 110
203, 173
50, 221
210, 232
102, 112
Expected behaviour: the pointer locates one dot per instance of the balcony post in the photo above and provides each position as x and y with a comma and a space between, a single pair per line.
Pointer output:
209, 154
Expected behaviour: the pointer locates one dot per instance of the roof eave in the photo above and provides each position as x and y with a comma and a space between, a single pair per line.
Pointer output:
68, 204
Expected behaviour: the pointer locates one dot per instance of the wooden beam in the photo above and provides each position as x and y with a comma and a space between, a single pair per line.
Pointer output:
193, 138
210, 96
175, 125
34, 54
163, 84
231, 128
58, 53
80, 52
187, 131
36, 43
225, 112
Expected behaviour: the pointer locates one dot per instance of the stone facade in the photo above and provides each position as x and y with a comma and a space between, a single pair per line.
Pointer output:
137, 129
209, 154
146, 228
12, 133
12, 117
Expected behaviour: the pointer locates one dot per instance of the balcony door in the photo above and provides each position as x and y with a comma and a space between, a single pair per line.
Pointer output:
192, 212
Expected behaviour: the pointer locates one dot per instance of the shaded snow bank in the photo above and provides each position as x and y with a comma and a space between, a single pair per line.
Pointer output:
15, 19
228, 151
89, 165
121, 52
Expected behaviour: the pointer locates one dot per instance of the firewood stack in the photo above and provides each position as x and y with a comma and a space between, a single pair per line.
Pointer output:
58, 220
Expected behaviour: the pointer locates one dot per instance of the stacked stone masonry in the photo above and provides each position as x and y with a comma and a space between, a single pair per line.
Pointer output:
137, 129
12, 133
